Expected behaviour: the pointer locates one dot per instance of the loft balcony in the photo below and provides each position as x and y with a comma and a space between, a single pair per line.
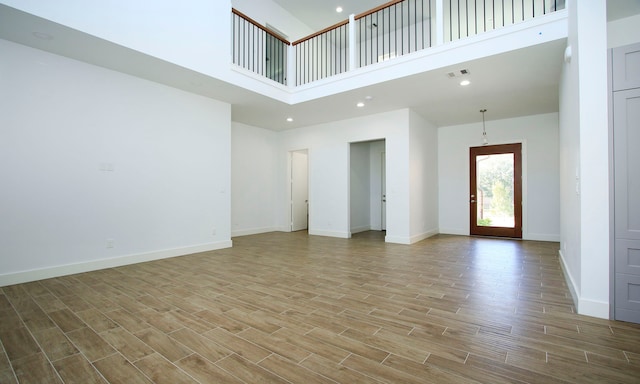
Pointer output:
383, 34
404, 59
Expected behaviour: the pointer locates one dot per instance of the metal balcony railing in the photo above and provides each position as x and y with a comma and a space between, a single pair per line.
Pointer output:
392, 30
322, 54
257, 49
465, 18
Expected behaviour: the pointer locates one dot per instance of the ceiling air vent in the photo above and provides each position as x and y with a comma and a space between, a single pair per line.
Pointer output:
459, 73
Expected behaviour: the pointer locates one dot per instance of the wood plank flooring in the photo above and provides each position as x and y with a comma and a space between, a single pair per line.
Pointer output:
293, 308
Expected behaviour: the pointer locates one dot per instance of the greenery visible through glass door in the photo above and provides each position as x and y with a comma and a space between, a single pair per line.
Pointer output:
495, 190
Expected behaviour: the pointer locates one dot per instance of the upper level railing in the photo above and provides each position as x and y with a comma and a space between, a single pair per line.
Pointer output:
391, 30
465, 18
322, 54
257, 49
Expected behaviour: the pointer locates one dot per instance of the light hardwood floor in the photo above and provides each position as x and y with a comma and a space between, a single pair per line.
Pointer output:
288, 307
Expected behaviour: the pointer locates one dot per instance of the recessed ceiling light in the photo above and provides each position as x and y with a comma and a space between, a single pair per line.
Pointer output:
465, 83
42, 36
290, 119
360, 104
368, 97
339, 9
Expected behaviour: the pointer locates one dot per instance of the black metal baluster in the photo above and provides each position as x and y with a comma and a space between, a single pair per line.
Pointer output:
493, 10
415, 24
475, 15
377, 38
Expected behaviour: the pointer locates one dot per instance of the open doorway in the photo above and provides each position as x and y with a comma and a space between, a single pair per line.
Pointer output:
299, 183
367, 186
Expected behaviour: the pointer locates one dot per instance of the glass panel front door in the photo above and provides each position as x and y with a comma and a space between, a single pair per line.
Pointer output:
496, 190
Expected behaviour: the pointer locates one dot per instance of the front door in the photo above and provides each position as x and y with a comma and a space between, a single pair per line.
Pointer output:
496, 190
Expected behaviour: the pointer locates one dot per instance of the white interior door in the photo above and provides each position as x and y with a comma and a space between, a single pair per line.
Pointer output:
299, 190
383, 179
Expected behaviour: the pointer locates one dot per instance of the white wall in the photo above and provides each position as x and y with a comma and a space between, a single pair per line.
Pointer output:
158, 28
424, 178
585, 160
570, 215
329, 197
623, 31
88, 154
253, 179
541, 191
360, 187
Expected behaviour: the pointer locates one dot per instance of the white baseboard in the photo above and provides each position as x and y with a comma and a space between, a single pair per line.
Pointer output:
541, 237
573, 289
593, 308
584, 306
70, 269
254, 231
410, 239
422, 236
360, 229
397, 239
449, 231
342, 235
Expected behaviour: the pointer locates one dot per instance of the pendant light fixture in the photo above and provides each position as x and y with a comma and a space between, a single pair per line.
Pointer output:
484, 130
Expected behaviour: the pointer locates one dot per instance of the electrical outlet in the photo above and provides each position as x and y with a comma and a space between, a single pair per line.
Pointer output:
110, 243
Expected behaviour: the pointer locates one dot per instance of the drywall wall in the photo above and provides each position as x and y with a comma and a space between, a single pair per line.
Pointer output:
159, 28
423, 152
253, 180
329, 198
585, 160
541, 191
569, 110
101, 168
623, 32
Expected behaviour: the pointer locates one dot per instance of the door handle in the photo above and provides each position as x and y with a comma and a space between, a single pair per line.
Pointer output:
472, 201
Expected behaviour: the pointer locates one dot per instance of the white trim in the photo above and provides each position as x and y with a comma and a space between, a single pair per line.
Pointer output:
584, 306
541, 237
342, 235
69, 269
363, 228
593, 308
573, 288
452, 231
255, 231
397, 240
425, 235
